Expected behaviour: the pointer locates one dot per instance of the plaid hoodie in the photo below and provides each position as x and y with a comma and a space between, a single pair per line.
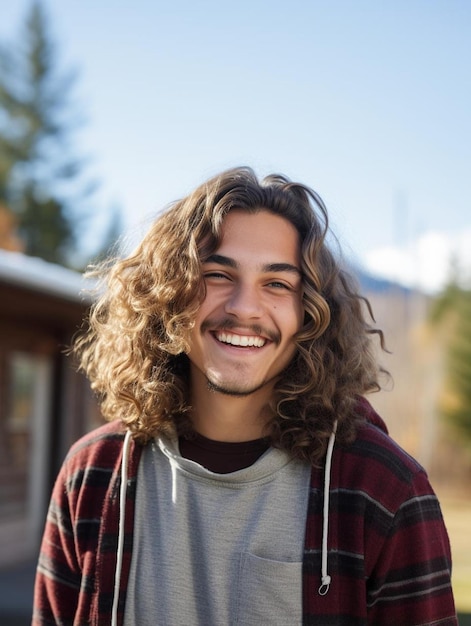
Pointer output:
388, 550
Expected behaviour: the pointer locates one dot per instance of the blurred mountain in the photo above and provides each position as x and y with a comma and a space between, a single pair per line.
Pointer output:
370, 283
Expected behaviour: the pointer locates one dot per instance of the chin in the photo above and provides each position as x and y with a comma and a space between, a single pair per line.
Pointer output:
234, 391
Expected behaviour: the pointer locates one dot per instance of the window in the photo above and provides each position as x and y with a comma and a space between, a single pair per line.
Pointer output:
24, 419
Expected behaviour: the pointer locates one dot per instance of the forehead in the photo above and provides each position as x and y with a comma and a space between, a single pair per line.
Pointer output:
259, 234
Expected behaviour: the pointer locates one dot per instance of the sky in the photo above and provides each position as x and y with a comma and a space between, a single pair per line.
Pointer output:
366, 101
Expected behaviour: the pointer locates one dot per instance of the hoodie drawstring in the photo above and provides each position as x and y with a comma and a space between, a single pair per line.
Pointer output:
121, 529
325, 578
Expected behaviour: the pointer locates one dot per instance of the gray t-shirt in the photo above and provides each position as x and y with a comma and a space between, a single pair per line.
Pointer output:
217, 549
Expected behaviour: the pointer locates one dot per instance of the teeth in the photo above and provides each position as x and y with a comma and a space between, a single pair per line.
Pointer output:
241, 340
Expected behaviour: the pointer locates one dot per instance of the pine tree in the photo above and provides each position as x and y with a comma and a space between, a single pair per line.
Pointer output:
39, 181
452, 311
459, 409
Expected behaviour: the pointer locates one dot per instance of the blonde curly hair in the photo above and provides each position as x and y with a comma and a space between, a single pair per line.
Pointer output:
134, 346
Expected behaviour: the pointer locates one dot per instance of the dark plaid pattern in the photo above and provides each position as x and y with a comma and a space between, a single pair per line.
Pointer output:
388, 550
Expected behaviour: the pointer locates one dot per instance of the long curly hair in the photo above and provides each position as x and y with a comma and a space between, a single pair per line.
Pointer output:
135, 343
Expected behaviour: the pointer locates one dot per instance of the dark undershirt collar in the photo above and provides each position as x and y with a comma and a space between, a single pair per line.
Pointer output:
222, 457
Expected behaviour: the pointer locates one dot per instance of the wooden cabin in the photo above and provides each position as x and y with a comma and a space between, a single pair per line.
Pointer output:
44, 403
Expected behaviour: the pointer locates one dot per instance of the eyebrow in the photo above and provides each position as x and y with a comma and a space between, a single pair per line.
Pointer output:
226, 261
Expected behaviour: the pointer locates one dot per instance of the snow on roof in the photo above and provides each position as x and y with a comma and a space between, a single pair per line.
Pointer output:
39, 275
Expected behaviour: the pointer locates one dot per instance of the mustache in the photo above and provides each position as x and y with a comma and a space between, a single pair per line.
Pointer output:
227, 324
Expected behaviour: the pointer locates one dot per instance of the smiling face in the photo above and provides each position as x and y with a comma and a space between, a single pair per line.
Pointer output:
243, 334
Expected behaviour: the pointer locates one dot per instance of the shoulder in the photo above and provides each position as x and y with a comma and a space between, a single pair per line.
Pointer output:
99, 450
376, 448
109, 435
376, 467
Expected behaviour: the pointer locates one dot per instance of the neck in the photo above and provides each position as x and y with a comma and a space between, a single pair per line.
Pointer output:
223, 417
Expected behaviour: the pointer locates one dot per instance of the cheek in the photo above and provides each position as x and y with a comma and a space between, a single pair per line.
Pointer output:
204, 308
289, 321
213, 299
297, 316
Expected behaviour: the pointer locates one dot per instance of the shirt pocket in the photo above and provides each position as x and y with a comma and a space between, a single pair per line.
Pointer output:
270, 592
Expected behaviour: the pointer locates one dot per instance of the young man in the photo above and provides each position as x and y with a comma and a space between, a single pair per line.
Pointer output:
243, 478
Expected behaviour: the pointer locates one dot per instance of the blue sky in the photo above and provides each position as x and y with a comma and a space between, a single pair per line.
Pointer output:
366, 101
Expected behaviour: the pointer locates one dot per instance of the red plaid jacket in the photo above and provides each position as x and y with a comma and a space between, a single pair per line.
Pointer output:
388, 550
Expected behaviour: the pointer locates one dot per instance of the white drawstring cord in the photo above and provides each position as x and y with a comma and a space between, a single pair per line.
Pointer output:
325, 578
121, 529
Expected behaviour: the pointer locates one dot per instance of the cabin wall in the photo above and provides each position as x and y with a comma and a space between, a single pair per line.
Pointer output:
44, 406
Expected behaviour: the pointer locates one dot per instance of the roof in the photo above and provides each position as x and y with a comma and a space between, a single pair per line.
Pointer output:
39, 275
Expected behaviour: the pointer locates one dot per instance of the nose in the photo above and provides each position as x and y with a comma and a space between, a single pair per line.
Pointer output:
244, 302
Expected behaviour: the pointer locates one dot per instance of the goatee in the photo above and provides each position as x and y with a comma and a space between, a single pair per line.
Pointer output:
235, 393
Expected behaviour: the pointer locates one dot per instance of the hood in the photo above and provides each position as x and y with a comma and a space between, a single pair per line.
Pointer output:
363, 409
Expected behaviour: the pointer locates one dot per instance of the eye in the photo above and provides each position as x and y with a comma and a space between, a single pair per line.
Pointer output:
276, 284
216, 275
